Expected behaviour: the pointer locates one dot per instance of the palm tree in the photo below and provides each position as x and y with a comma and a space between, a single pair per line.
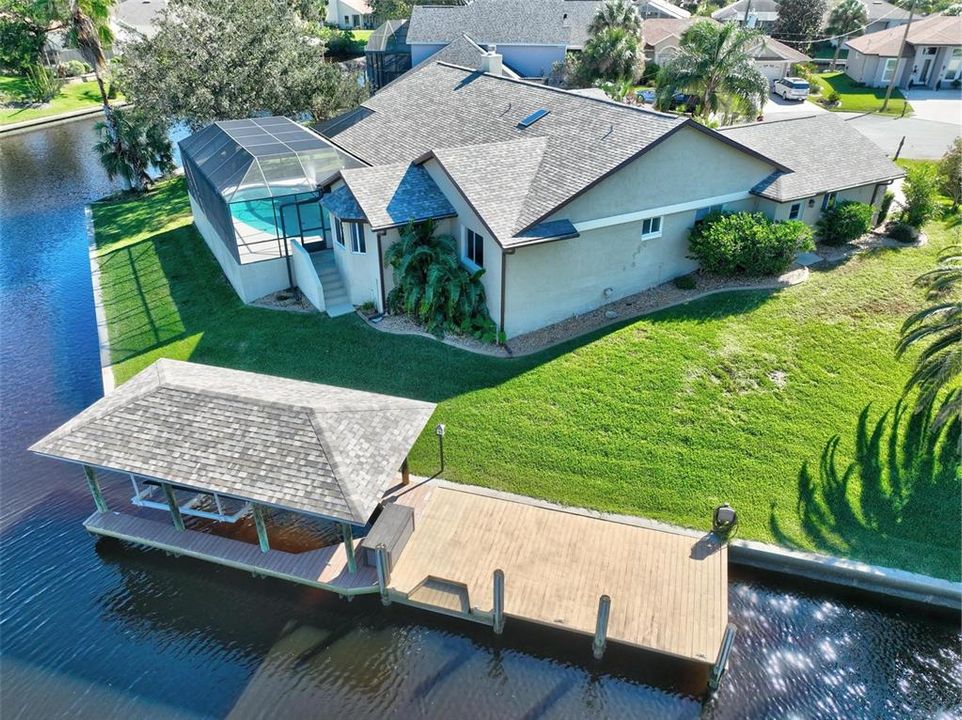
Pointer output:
714, 63
613, 54
88, 26
616, 14
847, 19
939, 327
130, 145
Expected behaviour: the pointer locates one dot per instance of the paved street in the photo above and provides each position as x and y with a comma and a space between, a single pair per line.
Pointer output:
924, 139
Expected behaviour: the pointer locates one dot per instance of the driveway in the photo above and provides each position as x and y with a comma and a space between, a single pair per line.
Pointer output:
936, 105
778, 107
924, 139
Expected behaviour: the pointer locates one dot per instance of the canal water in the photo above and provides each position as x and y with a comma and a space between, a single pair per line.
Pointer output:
96, 629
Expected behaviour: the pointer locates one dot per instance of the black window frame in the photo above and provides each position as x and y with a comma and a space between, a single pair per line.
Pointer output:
474, 247
795, 211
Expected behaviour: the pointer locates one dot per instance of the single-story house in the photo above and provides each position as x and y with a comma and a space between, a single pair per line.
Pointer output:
349, 14
758, 14
773, 58
932, 57
660, 9
881, 15
530, 35
566, 201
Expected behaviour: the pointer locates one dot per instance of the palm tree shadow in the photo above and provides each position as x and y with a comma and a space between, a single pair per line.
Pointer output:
895, 503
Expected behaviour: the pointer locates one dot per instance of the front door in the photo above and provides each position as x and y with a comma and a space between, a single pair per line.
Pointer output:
924, 75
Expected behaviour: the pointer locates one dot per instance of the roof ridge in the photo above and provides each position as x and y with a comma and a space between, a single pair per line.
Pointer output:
349, 499
568, 93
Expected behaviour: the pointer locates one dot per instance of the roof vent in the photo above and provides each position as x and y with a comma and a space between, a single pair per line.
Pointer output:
532, 118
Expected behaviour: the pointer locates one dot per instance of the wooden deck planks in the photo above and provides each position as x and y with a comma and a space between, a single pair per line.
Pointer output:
325, 567
557, 564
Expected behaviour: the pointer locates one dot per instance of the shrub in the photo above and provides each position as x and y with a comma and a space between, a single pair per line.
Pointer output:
903, 232
950, 172
832, 99
920, 188
685, 282
844, 222
748, 243
432, 286
41, 85
883, 208
649, 74
72, 68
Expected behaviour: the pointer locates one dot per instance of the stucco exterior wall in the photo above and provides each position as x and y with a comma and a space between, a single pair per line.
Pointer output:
468, 219
250, 281
305, 276
532, 60
359, 271
420, 53
811, 215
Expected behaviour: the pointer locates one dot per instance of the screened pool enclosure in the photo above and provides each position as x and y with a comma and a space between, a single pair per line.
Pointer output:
253, 184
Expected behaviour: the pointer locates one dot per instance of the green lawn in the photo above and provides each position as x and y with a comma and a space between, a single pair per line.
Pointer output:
856, 98
362, 36
782, 403
74, 96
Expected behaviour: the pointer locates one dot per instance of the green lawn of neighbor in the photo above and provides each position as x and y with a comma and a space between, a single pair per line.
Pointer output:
785, 404
74, 96
856, 98
362, 36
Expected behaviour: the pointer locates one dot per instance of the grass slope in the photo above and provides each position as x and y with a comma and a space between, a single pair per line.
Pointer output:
74, 96
857, 98
781, 403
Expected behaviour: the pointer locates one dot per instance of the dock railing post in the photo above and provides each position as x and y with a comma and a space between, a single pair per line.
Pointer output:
172, 504
405, 473
348, 535
261, 527
498, 601
94, 486
383, 572
601, 627
721, 662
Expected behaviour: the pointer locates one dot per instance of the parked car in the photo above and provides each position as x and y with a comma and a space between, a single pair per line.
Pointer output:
646, 96
791, 88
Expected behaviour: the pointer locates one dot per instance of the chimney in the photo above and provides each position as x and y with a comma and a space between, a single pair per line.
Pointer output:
490, 62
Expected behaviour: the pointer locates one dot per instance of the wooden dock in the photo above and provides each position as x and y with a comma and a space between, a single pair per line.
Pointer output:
669, 591
325, 568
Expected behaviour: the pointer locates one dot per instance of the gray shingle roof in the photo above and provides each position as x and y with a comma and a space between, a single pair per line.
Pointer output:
514, 22
825, 152
317, 449
341, 202
580, 140
392, 195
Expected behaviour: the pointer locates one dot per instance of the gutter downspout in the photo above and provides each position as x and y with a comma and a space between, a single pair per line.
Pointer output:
504, 269
380, 270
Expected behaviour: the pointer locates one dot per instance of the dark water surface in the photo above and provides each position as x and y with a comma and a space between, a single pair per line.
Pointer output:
97, 629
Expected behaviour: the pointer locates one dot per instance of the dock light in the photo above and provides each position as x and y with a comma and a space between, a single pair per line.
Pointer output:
440, 430
724, 520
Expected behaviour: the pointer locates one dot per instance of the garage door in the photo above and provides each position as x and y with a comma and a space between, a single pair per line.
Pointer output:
772, 70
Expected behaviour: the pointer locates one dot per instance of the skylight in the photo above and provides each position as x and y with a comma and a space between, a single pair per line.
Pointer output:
533, 118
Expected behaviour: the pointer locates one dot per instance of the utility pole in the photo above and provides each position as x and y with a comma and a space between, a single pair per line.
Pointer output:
895, 73
748, 9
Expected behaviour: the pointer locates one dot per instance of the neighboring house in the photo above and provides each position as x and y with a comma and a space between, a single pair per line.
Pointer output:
133, 19
773, 58
530, 35
758, 14
932, 57
882, 15
660, 9
349, 14
568, 202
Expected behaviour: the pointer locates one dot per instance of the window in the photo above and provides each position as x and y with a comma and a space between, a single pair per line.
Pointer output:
888, 70
474, 247
954, 70
702, 213
358, 242
339, 232
357, 20
828, 200
794, 211
651, 228
347, 19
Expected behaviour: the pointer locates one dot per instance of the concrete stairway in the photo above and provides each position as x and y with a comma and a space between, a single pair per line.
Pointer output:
336, 300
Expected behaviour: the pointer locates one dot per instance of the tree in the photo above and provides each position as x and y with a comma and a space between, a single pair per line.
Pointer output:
920, 188
950, 172
223, 59
938, 330
432, 286
130, 144
612, 55
616, 14
847, 19
798, 22
397, 9
23, 32
715, 64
